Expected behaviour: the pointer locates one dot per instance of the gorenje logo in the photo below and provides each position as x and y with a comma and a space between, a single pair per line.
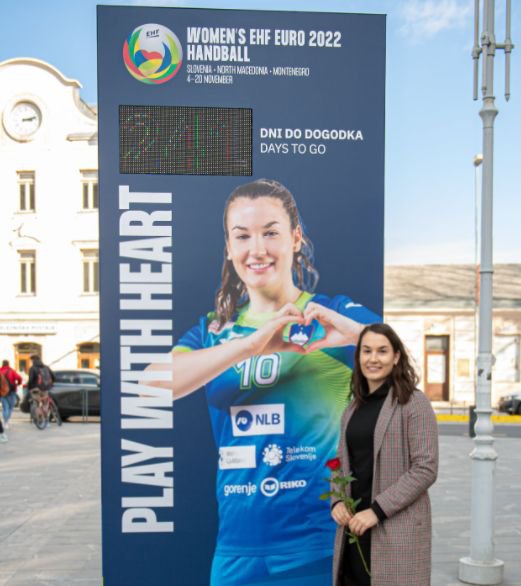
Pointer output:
241, 489
257, 419
271, 486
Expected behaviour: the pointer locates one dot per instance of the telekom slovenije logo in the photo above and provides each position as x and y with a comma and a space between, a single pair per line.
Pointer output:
152, 53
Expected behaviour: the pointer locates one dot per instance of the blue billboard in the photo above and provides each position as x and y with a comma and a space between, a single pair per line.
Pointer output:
241, 168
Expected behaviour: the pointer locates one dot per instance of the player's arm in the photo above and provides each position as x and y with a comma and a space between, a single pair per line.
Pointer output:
191, 369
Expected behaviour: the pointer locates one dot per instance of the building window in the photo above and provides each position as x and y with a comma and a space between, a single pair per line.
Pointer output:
89, 190
90, 263
506, 352
88, 356
28, 272
26, 191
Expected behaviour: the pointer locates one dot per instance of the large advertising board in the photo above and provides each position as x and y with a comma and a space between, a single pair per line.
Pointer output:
241, 168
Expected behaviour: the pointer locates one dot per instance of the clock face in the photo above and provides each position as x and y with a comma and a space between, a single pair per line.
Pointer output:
22, 120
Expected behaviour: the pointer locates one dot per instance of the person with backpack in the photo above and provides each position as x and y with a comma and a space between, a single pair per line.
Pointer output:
40, 375
12, 380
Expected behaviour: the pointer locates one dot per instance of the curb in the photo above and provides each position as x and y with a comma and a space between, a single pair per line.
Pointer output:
511, 419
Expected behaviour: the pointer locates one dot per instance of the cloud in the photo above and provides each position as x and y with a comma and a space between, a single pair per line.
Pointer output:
424, 19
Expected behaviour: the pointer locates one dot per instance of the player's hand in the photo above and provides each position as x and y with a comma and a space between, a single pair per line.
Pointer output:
362, 521
340, 330
269, 338
340, 514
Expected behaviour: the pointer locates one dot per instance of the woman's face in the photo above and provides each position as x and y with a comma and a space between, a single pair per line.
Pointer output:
377, 359
261, 243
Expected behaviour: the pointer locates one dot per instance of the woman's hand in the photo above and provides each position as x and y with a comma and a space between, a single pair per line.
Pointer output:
362, 521
340, 514
340, 330
268, 339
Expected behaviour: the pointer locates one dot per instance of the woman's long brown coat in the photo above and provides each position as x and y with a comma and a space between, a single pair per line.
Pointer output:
405, 465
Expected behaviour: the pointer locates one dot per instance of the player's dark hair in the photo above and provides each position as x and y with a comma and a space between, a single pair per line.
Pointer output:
403, 378
232, 293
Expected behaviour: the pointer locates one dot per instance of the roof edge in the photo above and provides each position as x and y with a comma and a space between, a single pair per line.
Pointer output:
43, 65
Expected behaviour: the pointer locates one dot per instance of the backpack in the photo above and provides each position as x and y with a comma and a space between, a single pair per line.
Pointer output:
44, 378
4, 386
10, 384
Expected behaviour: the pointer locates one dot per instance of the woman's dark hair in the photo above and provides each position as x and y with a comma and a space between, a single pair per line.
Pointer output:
403, 378
232, 293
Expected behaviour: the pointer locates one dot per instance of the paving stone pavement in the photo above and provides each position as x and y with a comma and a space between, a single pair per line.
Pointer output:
50, 528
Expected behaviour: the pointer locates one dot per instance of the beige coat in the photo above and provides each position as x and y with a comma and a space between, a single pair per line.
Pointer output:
405, 465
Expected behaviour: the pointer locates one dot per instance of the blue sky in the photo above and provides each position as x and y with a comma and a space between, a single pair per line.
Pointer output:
433, 128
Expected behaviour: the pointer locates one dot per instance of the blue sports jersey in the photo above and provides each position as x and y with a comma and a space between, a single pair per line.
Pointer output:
275, 419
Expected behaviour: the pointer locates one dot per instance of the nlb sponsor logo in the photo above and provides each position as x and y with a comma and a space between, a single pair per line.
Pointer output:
257, 419
242, 489
271, 486
236, 457
243, 420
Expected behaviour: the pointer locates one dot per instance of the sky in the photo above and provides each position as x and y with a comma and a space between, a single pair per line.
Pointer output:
433, 127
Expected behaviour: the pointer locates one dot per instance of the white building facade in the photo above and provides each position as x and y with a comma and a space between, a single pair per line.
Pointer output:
49, 298
434, 309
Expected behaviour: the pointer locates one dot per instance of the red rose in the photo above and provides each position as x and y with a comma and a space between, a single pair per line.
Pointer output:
333, 464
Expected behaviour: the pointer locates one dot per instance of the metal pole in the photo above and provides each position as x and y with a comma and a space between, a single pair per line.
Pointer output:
481, 567
478, 159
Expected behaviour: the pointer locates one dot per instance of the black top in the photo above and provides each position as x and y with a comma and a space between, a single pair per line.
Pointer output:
360, 442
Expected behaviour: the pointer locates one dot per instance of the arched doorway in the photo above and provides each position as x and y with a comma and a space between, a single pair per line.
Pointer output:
88, 355
23, 352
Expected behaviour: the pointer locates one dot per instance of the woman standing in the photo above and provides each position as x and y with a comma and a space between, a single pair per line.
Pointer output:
273, 358
389, 443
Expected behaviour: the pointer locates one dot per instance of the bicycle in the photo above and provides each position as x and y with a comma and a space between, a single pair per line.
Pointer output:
43, 409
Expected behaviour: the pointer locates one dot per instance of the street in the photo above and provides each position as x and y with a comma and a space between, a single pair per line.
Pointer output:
50, 528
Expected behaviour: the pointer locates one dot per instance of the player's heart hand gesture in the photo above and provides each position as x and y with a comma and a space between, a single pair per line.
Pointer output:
269, 338
340, 330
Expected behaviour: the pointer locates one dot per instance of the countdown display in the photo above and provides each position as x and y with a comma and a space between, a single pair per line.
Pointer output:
182, 140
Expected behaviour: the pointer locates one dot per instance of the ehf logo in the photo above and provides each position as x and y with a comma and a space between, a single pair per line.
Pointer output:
272, 455
257, 419
152, 54
243, 420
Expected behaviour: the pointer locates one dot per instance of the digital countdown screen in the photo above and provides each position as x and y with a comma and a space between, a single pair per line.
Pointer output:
181, 140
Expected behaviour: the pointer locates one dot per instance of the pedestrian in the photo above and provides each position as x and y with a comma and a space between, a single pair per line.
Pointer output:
13, 379
389, 444
40, 375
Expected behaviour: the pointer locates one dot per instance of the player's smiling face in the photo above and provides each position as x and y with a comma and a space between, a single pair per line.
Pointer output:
261, 242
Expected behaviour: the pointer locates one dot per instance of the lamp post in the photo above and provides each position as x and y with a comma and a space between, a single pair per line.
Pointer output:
478, 159
481, 566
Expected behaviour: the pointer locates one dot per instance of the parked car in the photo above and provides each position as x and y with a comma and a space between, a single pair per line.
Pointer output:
510, 404
76, 391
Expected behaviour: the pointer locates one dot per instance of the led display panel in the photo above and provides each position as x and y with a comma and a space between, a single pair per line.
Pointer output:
183, 140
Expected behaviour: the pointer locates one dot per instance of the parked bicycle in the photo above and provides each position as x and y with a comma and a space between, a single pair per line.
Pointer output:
43, 409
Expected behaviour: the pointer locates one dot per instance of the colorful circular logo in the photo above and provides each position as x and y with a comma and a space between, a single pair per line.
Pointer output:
152, 53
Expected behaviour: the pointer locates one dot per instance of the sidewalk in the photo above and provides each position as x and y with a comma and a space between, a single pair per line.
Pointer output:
50, 519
